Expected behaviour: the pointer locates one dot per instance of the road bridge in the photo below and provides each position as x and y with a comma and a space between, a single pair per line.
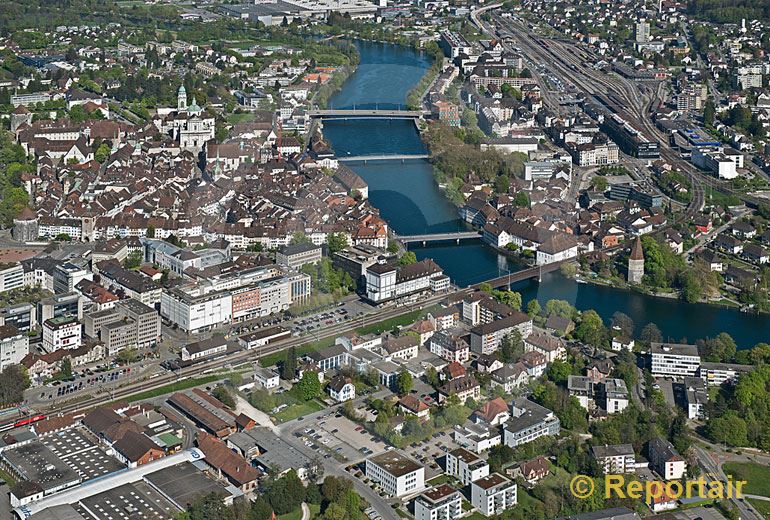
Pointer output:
525, 274
437, 237
367, 113
384, 157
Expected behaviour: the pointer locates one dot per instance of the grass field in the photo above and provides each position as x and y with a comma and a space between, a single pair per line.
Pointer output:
757, 477
762, 506
8, 478
297, 410
274, 358
315, 511
240, 118
378, 327
174, 387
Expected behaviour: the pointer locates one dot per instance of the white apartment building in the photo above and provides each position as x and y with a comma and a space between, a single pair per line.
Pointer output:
266, 378
14, 345
670, 359
665, 460
493, 494
64, 332
397, 474
615, 459
477, 437
717, 374
528, 422
11, 277
388, 281
439, 503
486, 338
465, 466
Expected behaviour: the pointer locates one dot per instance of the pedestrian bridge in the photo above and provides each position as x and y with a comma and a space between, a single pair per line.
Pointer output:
365, 113
437, 237
384, 157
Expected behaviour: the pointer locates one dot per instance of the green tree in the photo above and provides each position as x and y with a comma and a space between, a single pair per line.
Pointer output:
222, 394
404, 382
502, 184
133, 261
600, 183
510, 298
407, 258
102, 153
591, 329
511, 347
533, 308
66, 368
729, 429
208, 507
721, 349
560, 308
559, 371
709, 111
651, 334
289, 366
336, 242
300, 238
262, 400
309, 387
127, 355
521, 199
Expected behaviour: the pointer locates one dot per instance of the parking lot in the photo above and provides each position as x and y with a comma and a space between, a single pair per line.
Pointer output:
341, 436
84, 380
432, 452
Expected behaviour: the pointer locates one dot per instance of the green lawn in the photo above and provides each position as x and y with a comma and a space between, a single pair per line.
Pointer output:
441, 479
296, 410
240, 118
762, 506
315, 511
8, 478
174, 387
274, 358
757, 477
392, 323
381, 326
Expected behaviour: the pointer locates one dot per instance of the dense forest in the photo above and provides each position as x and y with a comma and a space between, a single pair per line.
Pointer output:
730, 11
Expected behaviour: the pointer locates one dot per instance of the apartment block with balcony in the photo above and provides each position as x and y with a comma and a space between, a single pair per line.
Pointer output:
466, 466
493, 494
439, 503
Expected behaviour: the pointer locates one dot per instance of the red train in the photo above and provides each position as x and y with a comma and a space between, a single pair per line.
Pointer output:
29, 420
26, 421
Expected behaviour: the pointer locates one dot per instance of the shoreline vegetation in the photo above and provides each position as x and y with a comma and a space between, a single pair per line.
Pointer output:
456, 156
417, 94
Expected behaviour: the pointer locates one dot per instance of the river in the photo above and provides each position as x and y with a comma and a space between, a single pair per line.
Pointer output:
411, 202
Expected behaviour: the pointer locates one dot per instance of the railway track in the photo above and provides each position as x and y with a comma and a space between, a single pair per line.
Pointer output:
237, 357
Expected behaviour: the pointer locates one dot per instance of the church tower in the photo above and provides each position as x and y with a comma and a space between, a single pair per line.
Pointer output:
636, 262
181, 99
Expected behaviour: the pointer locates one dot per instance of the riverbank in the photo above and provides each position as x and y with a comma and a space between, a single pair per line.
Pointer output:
409, 199
674, 295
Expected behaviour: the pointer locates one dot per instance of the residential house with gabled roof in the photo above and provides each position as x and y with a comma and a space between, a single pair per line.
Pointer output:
342, 388
494, 412
463, 388
411, 405
550, 346
227, 464
531, 470
135, 449
510, 377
